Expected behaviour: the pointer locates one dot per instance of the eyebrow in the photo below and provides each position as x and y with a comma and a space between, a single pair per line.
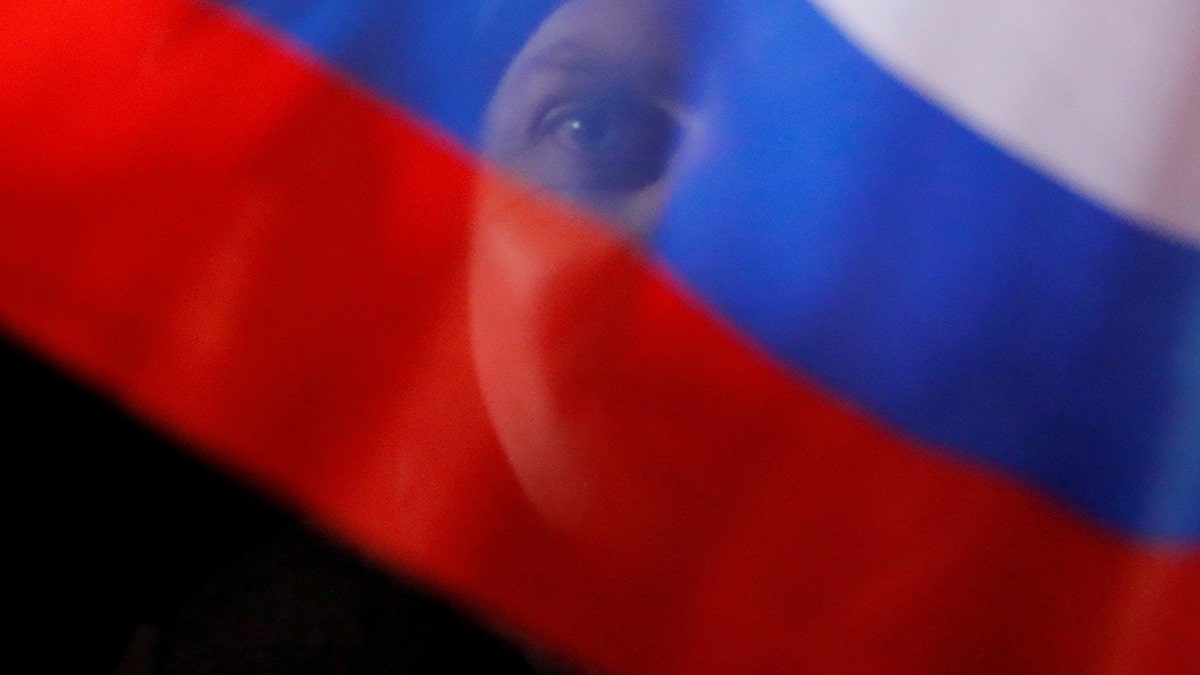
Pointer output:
573, 56
576, 58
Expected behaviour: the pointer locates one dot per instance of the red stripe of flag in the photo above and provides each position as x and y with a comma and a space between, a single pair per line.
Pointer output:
298, 281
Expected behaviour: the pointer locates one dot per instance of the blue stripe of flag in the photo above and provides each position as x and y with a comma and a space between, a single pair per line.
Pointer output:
866, 238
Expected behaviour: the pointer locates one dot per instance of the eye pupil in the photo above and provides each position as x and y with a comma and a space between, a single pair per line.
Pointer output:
590, 132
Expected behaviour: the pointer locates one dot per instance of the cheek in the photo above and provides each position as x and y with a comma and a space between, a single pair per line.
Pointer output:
640, 212
550, 292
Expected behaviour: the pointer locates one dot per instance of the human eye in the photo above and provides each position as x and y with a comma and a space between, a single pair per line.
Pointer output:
605, 145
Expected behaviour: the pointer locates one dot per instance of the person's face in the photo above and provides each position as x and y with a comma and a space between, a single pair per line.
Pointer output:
590, 108
589, 111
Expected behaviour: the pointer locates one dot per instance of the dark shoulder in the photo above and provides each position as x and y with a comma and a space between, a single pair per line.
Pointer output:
301, 605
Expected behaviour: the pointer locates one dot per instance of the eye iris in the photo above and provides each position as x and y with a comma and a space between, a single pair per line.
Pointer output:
606, 145
591, 132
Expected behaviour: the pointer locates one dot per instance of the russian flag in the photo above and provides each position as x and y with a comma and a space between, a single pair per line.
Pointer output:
744, 336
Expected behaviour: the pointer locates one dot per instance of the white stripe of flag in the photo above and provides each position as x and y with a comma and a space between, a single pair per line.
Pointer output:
1102, 94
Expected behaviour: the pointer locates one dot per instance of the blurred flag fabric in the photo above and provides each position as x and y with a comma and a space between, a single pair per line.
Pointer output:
905, 377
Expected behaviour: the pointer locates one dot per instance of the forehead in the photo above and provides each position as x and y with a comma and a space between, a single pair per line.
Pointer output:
637, 34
